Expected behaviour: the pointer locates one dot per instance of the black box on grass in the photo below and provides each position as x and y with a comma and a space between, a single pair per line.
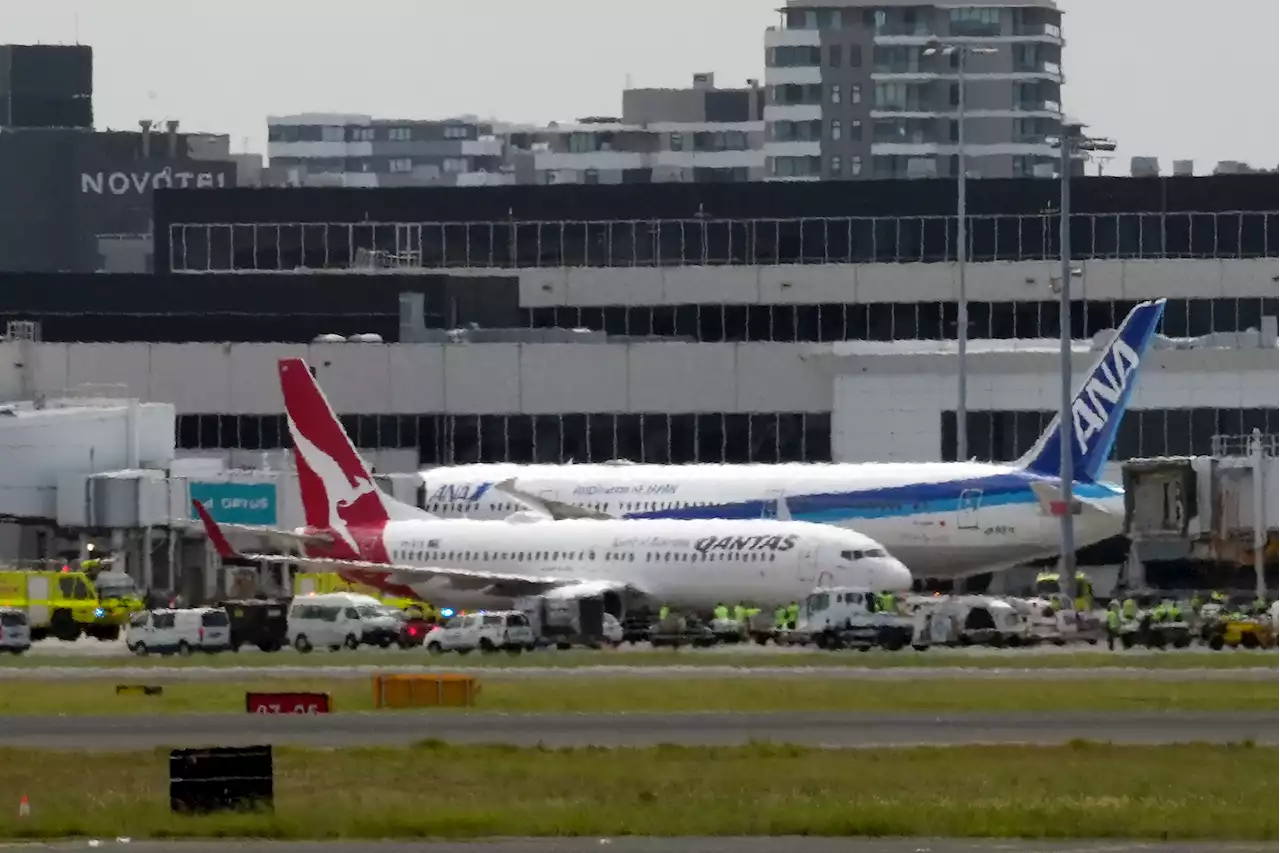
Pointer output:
216, 779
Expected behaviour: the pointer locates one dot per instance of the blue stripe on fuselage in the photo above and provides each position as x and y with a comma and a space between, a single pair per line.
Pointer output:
888, 502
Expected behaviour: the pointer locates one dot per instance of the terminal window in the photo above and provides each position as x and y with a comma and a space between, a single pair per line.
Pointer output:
456, 439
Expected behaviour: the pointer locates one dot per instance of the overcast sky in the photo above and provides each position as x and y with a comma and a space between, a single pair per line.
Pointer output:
1184, 80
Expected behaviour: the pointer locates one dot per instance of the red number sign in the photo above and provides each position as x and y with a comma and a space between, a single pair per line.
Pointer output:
286, 703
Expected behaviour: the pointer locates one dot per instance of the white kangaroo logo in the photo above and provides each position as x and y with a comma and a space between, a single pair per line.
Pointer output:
338, 490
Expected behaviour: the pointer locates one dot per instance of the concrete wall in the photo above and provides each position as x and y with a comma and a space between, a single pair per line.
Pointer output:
38, 448
909, 392
457, 379
825, 283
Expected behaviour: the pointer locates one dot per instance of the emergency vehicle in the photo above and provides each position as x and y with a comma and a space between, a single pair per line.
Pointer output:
59, 604
324, 583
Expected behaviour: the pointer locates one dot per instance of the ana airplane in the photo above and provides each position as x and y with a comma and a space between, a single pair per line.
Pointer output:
368, 537
943, 519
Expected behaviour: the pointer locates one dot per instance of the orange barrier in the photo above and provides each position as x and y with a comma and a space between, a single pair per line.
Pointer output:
425, 691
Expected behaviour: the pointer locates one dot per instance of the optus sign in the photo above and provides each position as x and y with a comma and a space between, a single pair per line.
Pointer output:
236, 503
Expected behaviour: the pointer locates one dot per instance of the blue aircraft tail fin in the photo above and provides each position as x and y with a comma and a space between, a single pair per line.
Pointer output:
1101, 400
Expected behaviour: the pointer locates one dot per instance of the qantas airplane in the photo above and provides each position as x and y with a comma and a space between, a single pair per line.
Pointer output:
945, 520
357, 530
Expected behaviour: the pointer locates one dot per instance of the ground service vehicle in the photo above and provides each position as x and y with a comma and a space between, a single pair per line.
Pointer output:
258, 622
1255, 633
413, 629
965, 620
681, 630
319, 583
340, 619
118, 599
61, 605
842, 617
487, 631
204, 629
15, 634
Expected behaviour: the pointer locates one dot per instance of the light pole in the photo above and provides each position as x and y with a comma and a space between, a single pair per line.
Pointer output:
961, 53
1070, 141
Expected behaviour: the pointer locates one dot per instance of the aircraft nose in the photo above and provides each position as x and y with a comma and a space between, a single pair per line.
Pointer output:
894, 576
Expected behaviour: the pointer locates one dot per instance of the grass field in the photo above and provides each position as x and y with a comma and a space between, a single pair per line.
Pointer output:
1080, 790
1029, 659
673, 694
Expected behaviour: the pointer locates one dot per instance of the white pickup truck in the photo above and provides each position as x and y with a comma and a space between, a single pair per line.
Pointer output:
847, 617
488, 631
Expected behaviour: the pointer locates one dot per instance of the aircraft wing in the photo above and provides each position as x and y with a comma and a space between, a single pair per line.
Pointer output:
556, 510
1047, 495
395, 577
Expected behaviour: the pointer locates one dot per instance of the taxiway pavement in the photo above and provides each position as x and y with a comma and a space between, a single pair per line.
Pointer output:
821, 729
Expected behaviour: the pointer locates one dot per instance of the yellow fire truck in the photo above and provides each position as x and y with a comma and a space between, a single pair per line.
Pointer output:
318, 583
60, 604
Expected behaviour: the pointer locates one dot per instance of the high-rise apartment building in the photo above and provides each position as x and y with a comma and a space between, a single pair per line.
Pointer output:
873, 90
700, 134
335, 149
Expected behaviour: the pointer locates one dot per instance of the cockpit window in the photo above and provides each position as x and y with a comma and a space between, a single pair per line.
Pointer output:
870, 553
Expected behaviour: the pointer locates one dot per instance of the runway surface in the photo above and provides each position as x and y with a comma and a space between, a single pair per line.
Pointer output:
661, 845
823, 729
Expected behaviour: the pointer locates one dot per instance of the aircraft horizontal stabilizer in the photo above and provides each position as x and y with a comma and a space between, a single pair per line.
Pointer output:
556, 510
1049, 497
217, 531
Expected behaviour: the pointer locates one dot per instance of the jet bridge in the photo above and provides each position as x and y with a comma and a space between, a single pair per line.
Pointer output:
1220, 508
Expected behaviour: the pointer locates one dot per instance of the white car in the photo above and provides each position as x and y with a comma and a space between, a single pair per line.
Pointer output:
15, 631
487, 631
612, 630
341, 619
165, 631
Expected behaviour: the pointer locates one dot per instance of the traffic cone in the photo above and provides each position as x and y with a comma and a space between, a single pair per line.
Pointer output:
24, 807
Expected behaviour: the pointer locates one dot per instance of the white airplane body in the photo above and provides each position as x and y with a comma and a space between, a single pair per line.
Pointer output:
685, 563
368, 537
943, 519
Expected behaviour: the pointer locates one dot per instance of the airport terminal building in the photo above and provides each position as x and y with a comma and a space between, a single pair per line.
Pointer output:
667, 323
749, 322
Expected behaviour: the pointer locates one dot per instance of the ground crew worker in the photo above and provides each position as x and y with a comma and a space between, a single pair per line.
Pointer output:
793, 615
1129, 610
721, 612
1196, 603
1113, 624
886, 602
739, 612
663, 612
780, 617
1174, 611
1259, 606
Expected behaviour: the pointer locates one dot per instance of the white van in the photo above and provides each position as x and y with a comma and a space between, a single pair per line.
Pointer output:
165, 631
15, 631
487, 631
341, 619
